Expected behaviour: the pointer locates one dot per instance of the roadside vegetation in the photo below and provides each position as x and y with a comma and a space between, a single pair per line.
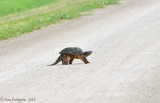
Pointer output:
13, 6
28, 15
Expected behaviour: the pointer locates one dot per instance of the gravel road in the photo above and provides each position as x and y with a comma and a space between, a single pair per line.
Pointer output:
124, 66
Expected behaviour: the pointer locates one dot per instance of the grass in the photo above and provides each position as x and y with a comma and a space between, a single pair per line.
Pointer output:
17, 24
13, 6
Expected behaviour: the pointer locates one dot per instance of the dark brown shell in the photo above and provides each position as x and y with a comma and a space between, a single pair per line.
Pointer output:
71, 50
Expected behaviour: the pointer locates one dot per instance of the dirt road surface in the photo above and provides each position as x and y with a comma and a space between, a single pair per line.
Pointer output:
124, 66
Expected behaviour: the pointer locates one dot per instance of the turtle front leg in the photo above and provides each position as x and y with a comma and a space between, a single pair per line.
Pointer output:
65, 60
84, 60
60, 58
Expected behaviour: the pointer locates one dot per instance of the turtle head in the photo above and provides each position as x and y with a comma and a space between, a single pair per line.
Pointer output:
87, 53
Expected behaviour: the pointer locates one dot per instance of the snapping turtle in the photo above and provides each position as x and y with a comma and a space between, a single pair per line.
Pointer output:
71, 53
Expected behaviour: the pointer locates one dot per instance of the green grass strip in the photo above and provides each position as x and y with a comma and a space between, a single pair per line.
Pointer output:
13, 6
13, 28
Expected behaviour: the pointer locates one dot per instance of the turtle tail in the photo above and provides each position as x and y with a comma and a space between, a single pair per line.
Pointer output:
58, 60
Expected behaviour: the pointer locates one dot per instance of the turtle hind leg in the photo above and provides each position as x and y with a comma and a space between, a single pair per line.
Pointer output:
84, 60
58, 60
70, 61
65, 60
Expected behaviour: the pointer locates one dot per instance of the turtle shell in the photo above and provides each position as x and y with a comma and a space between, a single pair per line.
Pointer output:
71, 50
